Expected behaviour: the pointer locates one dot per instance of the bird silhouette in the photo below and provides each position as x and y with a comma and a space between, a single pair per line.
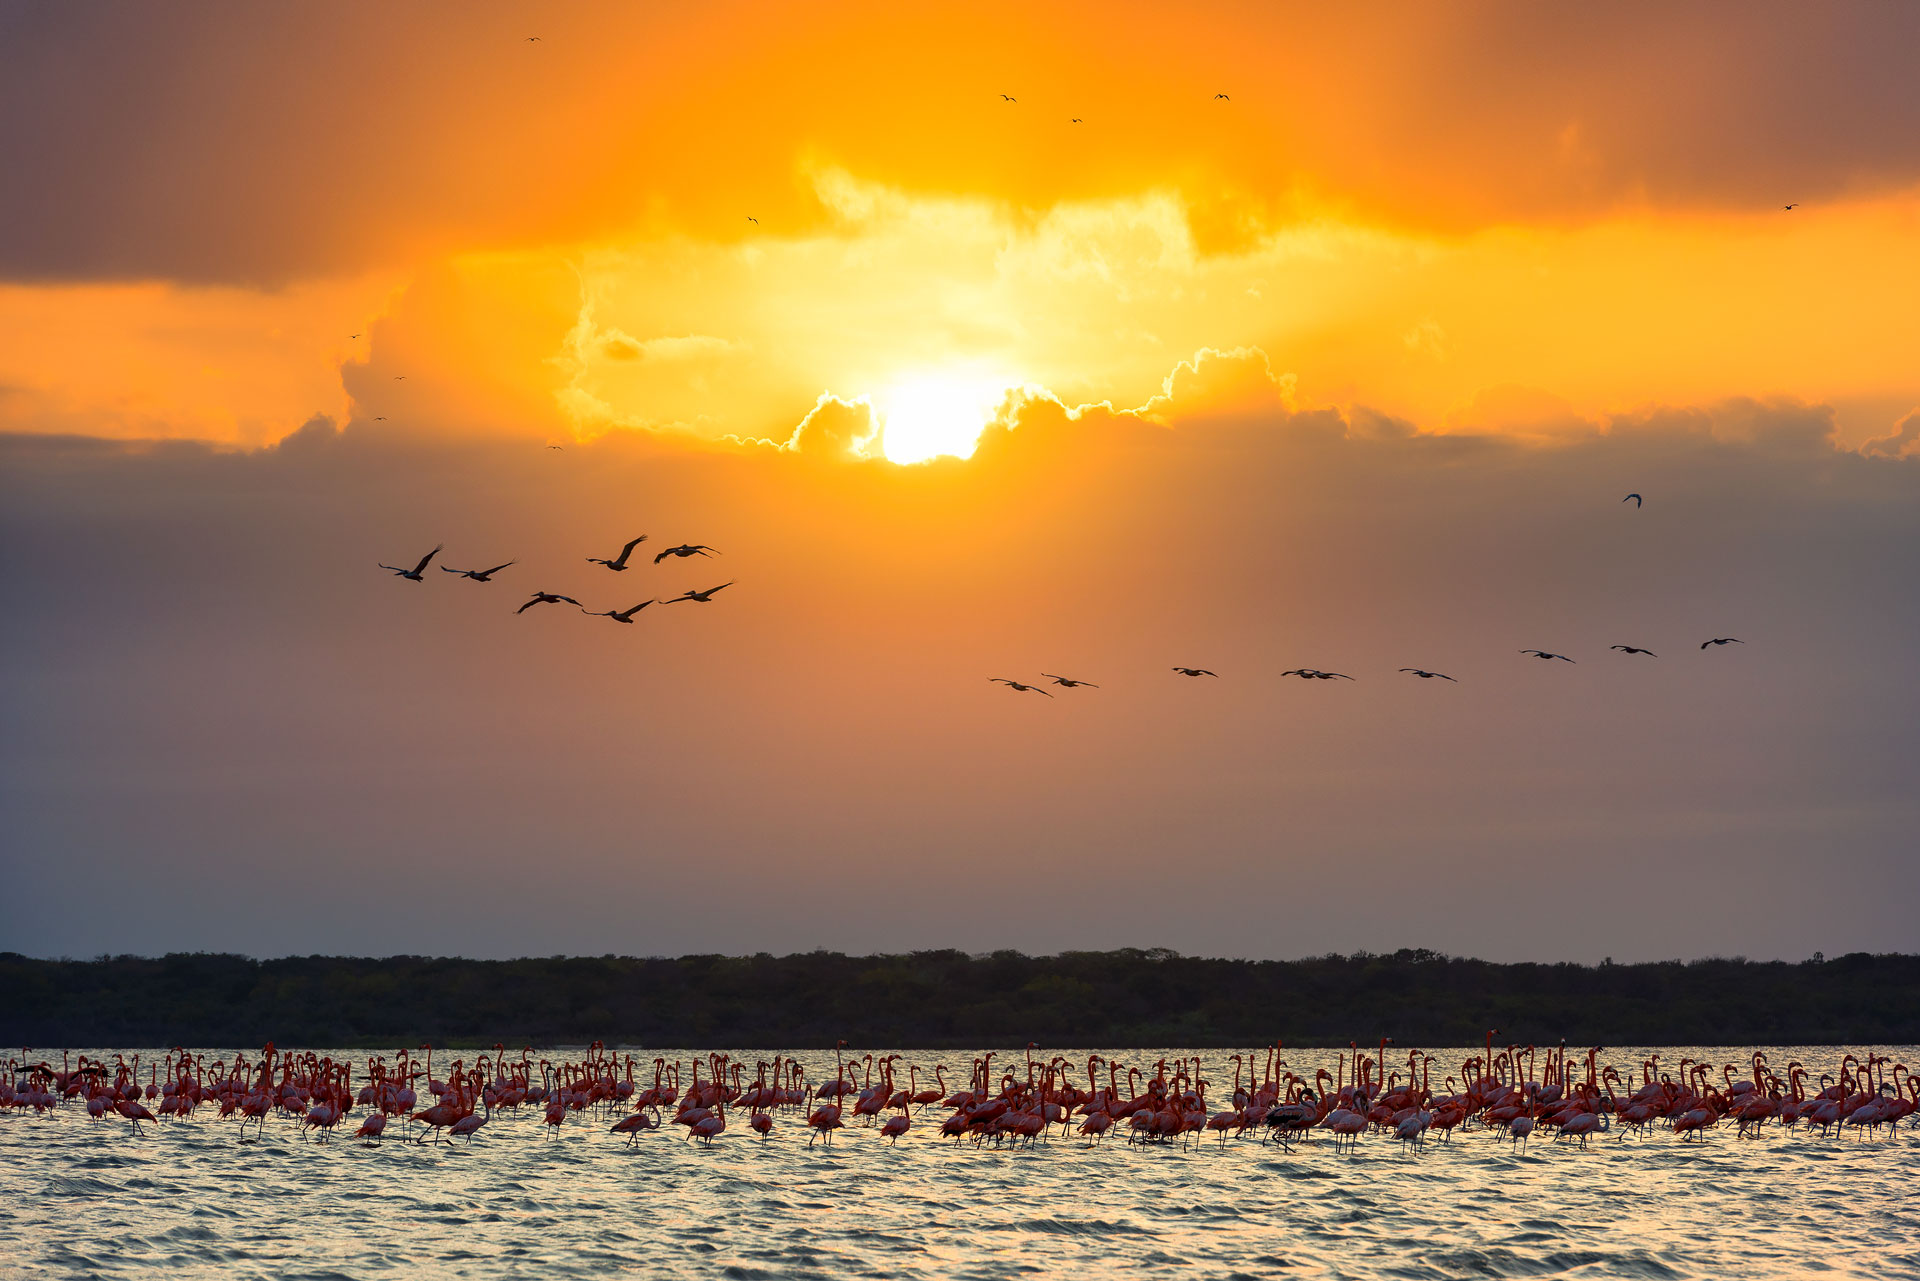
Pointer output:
1076, 121
1718, 640
618, 564
1008, 98
1024, 689
1543, 654
556, 446
619, 615
1221, 97
1196, 671
418, 570
1636, 501
546, 598
702, 597
353, 335
531, 39
1427, 676
684, 550
1067, 683
755, 221
1315, 674
399, 378
477, 575
1634, 649
1795, 205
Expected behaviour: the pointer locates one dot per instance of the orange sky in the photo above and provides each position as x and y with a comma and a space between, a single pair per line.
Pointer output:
1470, 218
1349, 368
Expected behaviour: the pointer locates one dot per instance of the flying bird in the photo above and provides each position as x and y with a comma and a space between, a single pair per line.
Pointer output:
399, 378
353, 335
755, 221
1008, 98
1637, 503
702, 597
1795, 205
531, 39
618, 564
1542, 654
684, 550
1076, 121
546, 598
556, 446
1315, 674
415, 573
619, 615
477, 575
1427, 676
1718, 640
1066, 683
1221, 97
1634, 649
1024, 689
379, 418
1196, 671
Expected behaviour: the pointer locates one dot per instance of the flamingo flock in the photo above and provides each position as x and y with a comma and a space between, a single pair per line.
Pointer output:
1513, 1094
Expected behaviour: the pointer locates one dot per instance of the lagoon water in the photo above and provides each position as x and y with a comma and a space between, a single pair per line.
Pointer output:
191, 1199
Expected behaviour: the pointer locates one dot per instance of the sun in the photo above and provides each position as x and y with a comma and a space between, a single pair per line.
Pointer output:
934, 415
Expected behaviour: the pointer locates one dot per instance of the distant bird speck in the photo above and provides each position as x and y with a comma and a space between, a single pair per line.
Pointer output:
1221, 97
477, 575
619, 615
1792, 206
546, 598
617, 564
700, 597
755, 221
1635, 499
420, 569
1010, 98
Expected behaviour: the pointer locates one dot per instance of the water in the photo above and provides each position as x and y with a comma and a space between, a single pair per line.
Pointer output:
86, 1199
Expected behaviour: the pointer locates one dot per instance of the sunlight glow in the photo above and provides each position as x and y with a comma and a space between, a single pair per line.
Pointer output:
931, 415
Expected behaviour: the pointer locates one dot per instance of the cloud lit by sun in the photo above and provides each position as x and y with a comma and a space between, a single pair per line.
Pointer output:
932, 415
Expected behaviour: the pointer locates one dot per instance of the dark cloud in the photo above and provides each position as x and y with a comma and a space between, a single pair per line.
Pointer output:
1902, 442
217, 705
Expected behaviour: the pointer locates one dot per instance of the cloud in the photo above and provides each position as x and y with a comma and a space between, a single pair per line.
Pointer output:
616, 345
1239, 380
1902, 442
834, 428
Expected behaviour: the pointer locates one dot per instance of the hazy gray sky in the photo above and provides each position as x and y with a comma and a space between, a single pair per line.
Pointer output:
228, 730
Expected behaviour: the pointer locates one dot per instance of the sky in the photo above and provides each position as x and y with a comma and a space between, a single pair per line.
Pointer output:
978, 341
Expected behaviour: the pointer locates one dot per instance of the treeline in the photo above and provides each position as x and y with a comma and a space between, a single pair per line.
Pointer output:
950, 999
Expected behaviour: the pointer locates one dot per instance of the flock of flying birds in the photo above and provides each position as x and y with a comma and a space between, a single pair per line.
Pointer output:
1315, 674
618, 564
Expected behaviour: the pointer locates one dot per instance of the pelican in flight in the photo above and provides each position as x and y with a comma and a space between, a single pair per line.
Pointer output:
702, 597
1221, 97
1635, 498
1196, 671
618, 563
1634, 649
1542, 654
1718, 640
618, 615
1024, 689
1067, 683
546, 598
1315, 674
686, 549
1427, 676
415, 573
477, 575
